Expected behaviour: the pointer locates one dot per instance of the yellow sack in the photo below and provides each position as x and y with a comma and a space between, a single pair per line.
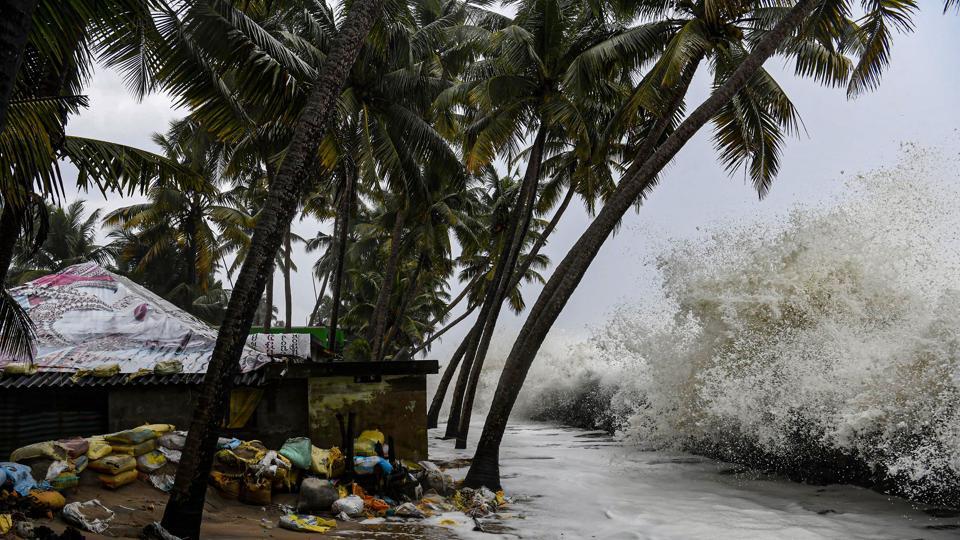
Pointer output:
366, 442
47, 500
48, 449
227, 484
306, 523
151, 462
99, 448
19, 368
158, 429
114, 464
103, 371
329, 463
168, 367
119, 480
6, 523
135, 449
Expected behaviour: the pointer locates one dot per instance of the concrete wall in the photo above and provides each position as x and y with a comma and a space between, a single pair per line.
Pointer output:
396, 405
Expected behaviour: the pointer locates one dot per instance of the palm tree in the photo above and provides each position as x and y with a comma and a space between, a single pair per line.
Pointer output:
811, 15
183, 513
70, 239
519, 88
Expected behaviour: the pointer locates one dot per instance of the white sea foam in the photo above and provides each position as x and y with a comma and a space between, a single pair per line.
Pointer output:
831, 334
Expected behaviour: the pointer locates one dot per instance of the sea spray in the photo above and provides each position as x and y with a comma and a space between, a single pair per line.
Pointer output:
825, 345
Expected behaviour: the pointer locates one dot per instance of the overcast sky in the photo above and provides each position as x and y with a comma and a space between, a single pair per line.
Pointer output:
916, 103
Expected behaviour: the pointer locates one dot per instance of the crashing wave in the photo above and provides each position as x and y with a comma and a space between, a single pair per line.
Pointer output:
825, 346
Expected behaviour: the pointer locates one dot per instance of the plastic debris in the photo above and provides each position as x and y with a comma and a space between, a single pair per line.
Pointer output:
350, 505
155, 531
91, 516
173, 456
306, 523
163, 482
229, 444
175, 440
21, 478
368, 465
409, 510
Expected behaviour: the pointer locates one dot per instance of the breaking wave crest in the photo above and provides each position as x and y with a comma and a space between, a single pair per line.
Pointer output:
825, 346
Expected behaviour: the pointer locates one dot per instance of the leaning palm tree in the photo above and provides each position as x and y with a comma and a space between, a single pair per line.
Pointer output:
183, 513
817, 18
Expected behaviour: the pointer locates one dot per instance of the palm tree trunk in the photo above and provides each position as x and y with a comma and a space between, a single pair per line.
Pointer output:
433, 415
485, 468
184, 511
9, 233
456, 401
542, 240
514, 243
287, 291
16, 20
378, 324
408, 295
340, 240
315, 314
268, 318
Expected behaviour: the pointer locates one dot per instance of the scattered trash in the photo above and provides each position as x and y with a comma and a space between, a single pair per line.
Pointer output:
175, 440
173, 456
151, 461
21, 477
350, 505
409, 510
91, 516
155, 531
368, 465
163, 482
229, 444
306, 523
433, 478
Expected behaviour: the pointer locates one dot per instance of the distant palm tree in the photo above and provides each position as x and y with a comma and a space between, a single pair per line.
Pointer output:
71, 238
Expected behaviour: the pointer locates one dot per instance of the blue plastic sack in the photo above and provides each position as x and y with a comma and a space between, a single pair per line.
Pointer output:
3, 477
21, 478
366, 464
229, 444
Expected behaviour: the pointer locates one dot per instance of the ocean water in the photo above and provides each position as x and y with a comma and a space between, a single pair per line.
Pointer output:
824, 345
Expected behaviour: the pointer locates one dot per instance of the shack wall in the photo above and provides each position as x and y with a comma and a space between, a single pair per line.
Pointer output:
396, 405
281, 413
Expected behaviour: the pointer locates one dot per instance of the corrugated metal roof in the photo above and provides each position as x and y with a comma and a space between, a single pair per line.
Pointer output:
66, 380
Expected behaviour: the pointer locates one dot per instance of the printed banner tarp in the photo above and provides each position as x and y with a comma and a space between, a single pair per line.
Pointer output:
87, 317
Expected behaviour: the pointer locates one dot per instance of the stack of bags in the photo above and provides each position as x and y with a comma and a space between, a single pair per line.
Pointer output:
121, 457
